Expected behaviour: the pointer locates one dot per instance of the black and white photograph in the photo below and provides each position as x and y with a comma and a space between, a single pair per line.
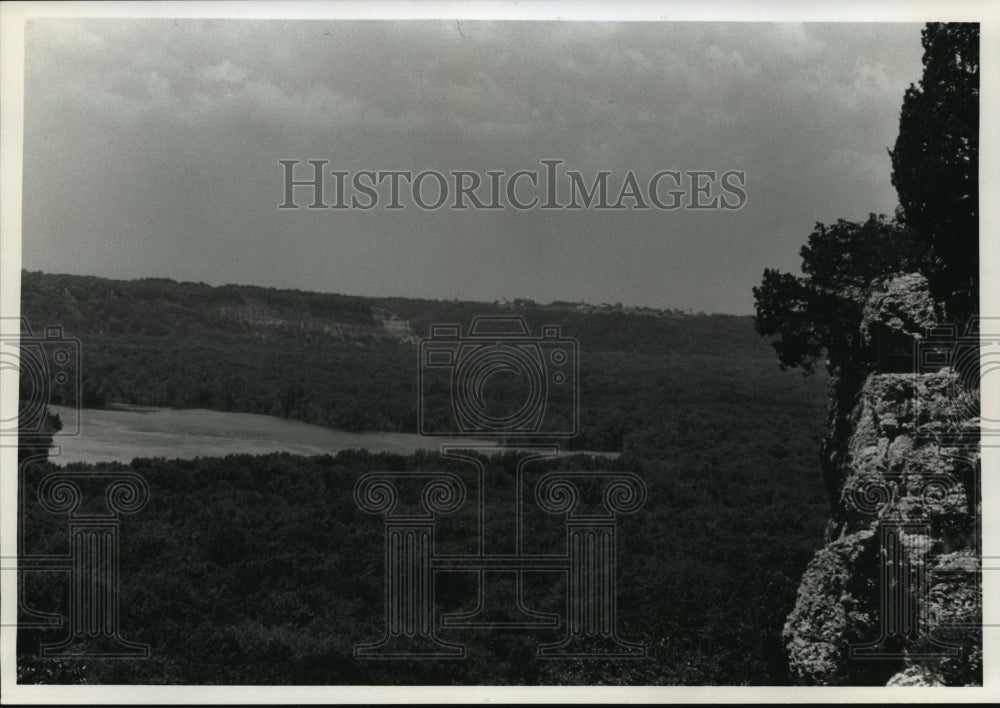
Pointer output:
357, 352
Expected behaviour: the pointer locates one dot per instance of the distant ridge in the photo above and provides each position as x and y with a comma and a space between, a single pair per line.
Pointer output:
350, 362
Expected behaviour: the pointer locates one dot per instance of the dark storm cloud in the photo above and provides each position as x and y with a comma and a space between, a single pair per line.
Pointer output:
151, 148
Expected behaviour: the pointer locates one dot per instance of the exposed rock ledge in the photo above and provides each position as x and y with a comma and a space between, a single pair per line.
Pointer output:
902, 473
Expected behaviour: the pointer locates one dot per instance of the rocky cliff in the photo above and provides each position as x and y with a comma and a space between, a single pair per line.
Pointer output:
894, 595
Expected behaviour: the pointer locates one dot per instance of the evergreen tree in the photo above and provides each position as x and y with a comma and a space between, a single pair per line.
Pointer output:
935, 163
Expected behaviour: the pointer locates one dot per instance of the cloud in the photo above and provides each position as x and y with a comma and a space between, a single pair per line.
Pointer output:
192, 115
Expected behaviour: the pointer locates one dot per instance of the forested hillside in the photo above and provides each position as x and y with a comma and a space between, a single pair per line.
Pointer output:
262, 569
646, 380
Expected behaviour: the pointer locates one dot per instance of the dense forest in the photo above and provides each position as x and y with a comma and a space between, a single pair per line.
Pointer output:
263, 570
645, 380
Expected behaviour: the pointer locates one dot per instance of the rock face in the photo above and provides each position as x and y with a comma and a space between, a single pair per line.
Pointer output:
894, 596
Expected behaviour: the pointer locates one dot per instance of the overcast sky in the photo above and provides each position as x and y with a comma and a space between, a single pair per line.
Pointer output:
152, 149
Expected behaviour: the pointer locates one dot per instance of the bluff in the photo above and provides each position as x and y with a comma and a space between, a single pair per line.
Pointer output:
894, 596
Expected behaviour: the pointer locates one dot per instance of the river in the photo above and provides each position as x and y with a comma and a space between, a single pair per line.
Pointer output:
126, 432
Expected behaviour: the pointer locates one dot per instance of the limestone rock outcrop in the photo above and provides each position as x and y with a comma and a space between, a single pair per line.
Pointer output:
894, 596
